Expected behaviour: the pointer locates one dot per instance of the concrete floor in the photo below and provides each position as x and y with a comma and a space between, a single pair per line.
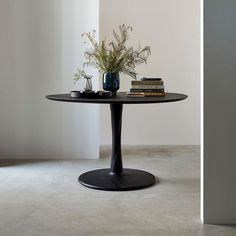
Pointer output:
44, 198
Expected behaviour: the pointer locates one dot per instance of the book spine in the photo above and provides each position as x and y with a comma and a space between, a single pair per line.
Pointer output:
162, 94
133, 94
146, 90
145, 82
148, 87
145, 94
145, 78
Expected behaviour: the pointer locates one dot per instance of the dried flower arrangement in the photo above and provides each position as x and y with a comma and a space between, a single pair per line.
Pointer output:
114, 57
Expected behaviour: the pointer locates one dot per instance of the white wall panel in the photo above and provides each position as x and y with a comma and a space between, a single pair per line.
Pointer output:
40, 48
172, 29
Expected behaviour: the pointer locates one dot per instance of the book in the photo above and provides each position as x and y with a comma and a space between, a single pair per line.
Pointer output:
154, 94
133, 94
147, 82
145, 94
149, 86
147, 79
146, 90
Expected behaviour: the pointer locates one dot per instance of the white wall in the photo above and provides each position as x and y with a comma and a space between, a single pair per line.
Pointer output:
40, 47
219, 174
172, 29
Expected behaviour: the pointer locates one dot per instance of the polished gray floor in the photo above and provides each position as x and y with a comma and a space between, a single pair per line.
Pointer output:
44, 198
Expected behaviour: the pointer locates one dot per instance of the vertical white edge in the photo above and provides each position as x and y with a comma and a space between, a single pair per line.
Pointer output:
99, 84
202, 109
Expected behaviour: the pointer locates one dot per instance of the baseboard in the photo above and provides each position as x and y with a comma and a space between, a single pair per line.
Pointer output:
105, 150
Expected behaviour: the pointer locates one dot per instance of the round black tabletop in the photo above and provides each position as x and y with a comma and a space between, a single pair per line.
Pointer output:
120, 98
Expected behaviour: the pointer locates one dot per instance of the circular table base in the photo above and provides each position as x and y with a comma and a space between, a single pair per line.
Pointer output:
129, 179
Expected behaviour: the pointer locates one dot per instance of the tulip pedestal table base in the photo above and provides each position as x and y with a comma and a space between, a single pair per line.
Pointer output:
117, 178
129, 179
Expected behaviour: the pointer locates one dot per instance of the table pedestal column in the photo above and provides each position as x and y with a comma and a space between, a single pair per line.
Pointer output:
116, 124
116, 178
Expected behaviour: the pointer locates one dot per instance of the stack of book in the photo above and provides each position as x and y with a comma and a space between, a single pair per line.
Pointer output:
147, 87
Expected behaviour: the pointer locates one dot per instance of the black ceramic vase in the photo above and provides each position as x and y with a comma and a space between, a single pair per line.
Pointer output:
111, 82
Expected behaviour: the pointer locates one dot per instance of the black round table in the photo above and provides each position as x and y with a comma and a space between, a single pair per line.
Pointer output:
117, 178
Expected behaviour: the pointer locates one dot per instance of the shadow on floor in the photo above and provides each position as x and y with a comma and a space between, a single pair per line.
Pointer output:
18, 162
